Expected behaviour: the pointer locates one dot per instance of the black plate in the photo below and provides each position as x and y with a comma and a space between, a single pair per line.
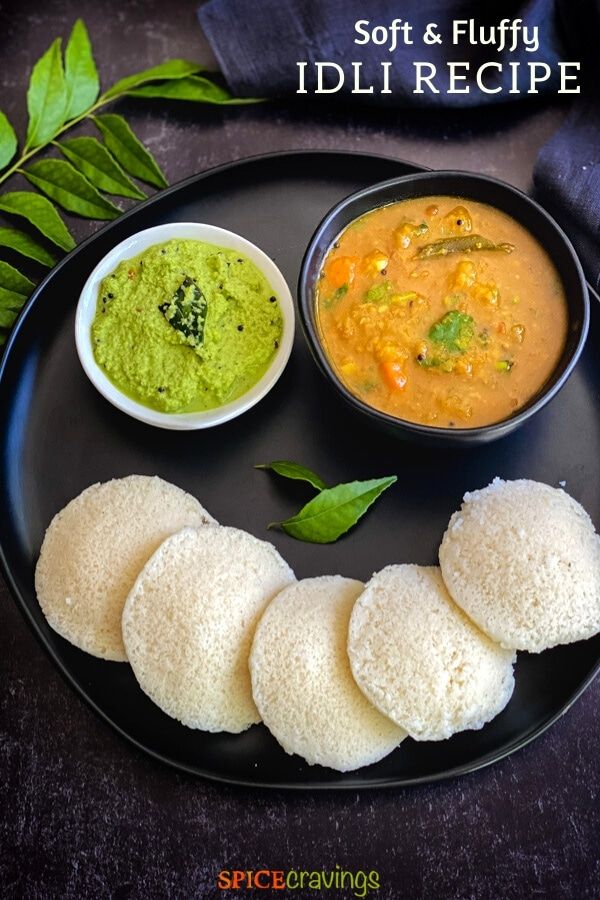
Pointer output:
58, 435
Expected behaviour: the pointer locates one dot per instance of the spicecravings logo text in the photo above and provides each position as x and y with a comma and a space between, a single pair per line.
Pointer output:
359, 882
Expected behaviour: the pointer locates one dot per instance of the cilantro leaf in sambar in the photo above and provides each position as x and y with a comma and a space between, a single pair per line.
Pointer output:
454, 331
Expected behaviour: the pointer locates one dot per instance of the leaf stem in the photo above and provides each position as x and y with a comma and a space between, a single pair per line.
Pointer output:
102, 100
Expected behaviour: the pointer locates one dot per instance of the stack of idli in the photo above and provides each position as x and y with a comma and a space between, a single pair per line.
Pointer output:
221, 635
136, 569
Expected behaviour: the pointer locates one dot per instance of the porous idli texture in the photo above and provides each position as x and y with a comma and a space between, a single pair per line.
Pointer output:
302, 682
420, 660
189, 621
523, 561
95, 548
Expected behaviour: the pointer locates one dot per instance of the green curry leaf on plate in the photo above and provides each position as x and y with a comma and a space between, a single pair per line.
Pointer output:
334, 510
40, 213
61, 181
294, 471
81, 75
46, 97
128, 150
93, 160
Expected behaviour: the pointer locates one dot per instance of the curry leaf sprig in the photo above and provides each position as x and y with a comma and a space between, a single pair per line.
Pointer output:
334, 510
64, 91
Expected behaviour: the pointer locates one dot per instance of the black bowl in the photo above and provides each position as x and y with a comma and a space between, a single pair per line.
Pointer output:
470, 187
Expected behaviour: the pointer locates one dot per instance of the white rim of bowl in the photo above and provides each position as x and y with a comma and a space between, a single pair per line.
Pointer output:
132, 246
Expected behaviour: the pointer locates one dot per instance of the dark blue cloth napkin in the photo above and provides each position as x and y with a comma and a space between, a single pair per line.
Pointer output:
259, 43
567, 183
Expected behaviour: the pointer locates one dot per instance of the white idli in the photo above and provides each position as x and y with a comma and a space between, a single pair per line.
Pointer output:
302, 683
420, 660
189, 621
523, 561
94, 550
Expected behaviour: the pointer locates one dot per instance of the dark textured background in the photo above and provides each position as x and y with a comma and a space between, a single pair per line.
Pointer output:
85, 815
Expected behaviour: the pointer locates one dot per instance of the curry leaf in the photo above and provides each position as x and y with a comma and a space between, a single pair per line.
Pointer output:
128, 150
21, 243
69, 188
7, 318
186, 313
11, 299
12, 280
40, 213
172, 69
15, 288
334, 510
94, 161
8, 141
81, 75
295, 471
195, 88
46, 97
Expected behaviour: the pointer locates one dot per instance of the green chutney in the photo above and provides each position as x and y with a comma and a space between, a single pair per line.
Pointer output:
186, 326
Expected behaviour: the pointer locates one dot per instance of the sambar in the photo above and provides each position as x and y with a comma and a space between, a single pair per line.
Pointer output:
442, 311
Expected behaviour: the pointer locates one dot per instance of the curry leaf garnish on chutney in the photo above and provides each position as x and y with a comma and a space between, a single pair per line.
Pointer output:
441, 311
186, 312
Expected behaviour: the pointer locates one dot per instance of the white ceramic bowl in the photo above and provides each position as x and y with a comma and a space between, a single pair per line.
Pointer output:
137, 243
